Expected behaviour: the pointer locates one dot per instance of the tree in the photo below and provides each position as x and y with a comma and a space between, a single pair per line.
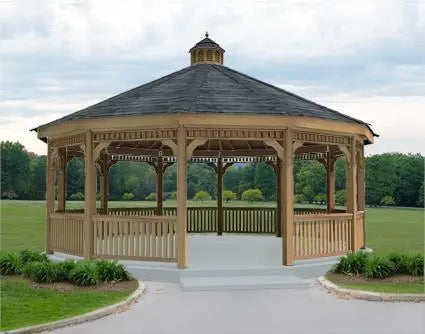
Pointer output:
77, 197
421, 196
265, 180
252, 195
127, 197
320, 198
174, 195
229, 195
15, 170
340, 197
202, 196
387, 201
38, 177
151, 197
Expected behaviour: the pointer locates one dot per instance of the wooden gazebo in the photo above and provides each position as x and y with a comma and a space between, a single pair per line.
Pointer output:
203, 113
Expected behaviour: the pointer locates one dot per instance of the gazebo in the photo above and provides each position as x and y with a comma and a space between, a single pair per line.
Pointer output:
203, 113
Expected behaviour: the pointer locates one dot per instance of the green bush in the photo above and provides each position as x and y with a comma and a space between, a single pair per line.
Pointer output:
341, 197
174, 195
27, 256
202, 196
387, 201
42, 272
10, 264
127, 197
299, 198
65, 269
229, 195
415, 265
151, 197
352, 263
400, 262
111, 271
252, 195
84, 273
77, 197
378, 267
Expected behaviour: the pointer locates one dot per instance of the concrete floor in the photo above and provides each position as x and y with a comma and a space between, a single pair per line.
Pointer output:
165, 308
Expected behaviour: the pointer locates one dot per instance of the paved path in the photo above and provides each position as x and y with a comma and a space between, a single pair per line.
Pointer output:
165, 308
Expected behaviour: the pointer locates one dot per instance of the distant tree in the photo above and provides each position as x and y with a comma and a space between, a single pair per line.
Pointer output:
151, 197
127, 197
299, 198
265, 180
340, 197
38, 177
387, 201
421, 196
229, 195
252, 195
174, 195
202, 196
308, 192
320, 198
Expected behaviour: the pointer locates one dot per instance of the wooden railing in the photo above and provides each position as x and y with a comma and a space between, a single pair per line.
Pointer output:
249, 220
149, 238
202, 219
66, 233
321, 235
360, 231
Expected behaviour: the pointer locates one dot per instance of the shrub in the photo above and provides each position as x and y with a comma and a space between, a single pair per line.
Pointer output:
77, 197
202, 196
352, 263
174, 195
65, 269
341, 197
10, 264
299, 198
400, 262
415, 265
84, 273
127, 196
320, 198
27, 256
387, 201
42, 272
111, 271
151, 197
252, 195
378, 267
229, 195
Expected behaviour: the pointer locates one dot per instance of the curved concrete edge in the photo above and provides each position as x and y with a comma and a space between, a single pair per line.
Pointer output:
369, 295
96, 314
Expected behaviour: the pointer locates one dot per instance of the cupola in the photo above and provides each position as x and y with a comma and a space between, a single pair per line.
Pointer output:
206, 51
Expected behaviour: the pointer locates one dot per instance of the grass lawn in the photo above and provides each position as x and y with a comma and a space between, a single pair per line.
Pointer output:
387, 229
416, 286
23, 305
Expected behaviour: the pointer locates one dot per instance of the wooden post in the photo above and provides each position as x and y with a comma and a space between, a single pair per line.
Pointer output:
330, 183
361, 191
103, 183
50, 195
278, 198
352, 192
62, 181
90, 196
287, 194
159, 184
220, 195
181, 198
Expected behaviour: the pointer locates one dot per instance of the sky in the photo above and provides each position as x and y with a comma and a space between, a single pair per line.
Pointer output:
364, 58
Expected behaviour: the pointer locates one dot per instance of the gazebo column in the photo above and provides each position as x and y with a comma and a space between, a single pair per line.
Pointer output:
159, 184
330, 183
352, 191
103, 182
90, 196
50, 194
287, 194
361, 190
181, 198
62, 181
220, 195
278, 198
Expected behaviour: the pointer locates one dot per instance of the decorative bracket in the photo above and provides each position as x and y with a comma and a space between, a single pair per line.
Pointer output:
99, 147
297, 144
347, 154
171, 144
280, 151
193, 145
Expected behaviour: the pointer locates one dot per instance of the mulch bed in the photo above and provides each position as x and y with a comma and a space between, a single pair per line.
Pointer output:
343, 278
69, 287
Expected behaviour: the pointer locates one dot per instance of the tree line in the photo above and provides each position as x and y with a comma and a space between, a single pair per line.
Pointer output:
391, 179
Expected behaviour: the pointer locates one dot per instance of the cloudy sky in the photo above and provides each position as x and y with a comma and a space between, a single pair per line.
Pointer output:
364, 58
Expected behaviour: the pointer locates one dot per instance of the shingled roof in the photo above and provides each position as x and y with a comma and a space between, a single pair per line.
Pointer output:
207, 88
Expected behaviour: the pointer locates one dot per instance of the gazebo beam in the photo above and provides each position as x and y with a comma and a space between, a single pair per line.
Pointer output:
159, 184
352, 192
62, 180
287, 194
330, 183
50, 194
220, 173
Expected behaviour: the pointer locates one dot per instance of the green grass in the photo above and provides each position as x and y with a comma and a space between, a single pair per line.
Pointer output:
383, 286
23, 305
387, 229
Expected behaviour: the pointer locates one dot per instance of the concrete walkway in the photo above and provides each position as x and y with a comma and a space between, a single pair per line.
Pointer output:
165, 308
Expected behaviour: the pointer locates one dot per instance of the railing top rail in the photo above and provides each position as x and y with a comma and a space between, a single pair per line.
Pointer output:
360, 212
148, 219
314, 217
66, 215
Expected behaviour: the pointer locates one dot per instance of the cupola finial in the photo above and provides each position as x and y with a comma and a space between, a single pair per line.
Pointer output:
206, 51
206, 34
